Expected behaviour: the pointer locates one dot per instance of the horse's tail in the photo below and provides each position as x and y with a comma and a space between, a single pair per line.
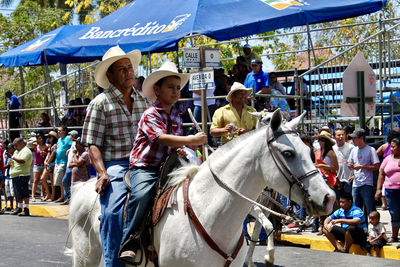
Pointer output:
180, 174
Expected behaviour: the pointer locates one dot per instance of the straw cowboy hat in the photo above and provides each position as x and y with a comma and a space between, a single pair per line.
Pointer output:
327, 135
237, 87
113, 54
167, 69
52, 133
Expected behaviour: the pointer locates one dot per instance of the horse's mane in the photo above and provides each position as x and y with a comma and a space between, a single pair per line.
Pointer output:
221, 151
190, 170
180, 174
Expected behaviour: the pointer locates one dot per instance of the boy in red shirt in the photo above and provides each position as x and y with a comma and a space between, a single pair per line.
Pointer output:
159, 132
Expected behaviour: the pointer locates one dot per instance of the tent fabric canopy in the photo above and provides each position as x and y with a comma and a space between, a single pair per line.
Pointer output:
32, 53
157, 25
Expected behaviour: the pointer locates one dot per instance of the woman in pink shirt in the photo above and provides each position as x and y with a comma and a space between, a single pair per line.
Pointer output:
389, 175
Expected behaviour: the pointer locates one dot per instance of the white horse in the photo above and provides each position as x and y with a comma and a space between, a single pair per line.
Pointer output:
247, 164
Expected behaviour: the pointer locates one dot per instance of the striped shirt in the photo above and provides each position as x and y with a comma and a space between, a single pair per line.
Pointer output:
147, 151
110, 126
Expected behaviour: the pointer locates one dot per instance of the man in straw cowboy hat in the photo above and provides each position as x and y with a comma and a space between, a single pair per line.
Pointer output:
160, 131
234, 118
109, 130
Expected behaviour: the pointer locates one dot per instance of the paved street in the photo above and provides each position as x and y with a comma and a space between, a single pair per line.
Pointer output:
40, 241
33, 241
296, 256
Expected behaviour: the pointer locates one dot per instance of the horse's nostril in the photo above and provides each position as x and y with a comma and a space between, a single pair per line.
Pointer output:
326, 200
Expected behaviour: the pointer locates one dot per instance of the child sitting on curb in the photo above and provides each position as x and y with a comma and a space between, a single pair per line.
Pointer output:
376, 232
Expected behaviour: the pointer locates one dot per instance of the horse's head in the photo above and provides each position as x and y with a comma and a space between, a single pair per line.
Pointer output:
296, 175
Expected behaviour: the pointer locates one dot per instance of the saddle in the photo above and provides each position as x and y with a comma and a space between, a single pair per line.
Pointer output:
156, 209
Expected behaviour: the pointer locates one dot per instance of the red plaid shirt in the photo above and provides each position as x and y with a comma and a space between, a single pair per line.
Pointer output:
155, 121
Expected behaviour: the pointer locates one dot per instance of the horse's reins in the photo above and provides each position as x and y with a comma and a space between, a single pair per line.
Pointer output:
284, 169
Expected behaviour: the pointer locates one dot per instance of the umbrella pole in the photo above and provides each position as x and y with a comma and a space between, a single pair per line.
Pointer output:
50, 86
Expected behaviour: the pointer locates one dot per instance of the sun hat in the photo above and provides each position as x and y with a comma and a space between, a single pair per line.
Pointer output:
167, 69
237, 87
326, 135
52, 133
325, 128
113, 54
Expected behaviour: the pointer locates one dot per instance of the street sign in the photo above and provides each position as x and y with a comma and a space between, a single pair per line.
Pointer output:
351, 95
211, 56
191, 58
198, 80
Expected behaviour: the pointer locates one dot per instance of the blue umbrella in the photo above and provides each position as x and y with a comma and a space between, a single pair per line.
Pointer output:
157, 25
32, 53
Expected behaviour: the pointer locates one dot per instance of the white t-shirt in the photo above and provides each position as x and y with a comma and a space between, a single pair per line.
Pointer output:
367, 157
209, 93
342, 154
70, 152
374, 231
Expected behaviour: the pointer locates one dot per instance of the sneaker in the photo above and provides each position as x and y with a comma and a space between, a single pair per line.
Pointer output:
1, 212
16, 211
314, 228
8, 209
128, 256
24, 213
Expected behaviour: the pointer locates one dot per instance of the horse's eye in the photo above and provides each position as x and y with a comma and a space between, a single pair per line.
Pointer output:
288, 154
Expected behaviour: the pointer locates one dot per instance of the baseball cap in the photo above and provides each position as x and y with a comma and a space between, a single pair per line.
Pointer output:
255, 61
358, 133
246, 46
74, 134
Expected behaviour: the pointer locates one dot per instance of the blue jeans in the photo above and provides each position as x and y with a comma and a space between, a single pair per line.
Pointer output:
111, 218
364, 195
143, 183
393, 201
66, 181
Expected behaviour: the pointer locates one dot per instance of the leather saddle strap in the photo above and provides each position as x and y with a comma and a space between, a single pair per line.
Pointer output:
199, 227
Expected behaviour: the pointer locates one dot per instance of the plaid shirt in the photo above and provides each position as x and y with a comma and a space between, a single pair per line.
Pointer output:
110, 126
147, 151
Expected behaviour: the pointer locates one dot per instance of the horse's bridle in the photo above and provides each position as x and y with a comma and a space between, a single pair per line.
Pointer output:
282, 166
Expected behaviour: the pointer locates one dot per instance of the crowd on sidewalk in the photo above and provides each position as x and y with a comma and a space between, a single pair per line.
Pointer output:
52, 160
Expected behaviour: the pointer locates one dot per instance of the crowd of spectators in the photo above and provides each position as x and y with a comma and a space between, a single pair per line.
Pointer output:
52, 160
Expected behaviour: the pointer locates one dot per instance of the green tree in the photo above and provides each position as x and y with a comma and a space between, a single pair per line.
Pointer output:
27, 22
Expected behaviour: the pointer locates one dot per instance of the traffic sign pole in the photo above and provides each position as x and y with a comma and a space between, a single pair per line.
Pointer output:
361, 93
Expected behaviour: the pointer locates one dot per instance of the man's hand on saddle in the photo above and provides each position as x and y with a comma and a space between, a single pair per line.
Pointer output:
199, 139
102, 183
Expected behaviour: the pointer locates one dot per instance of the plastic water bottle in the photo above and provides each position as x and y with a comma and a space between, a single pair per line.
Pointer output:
233, 130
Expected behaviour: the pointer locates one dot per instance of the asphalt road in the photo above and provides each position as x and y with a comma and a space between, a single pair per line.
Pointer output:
38, 241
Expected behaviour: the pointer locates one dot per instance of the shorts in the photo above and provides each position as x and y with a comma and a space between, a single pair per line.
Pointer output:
379, 243
59, 171
50, 167
8, 186
20, 184
38, 168
359, 235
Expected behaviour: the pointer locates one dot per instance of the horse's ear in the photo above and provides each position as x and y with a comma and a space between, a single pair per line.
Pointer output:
276, 120
293, 123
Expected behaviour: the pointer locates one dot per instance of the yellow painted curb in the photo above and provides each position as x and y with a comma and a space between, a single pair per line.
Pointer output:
49, 211
321, 243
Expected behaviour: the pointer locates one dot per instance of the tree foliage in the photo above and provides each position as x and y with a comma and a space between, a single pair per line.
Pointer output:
27, 22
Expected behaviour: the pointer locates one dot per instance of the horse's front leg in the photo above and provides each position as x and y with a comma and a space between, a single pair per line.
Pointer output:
256, 232
269, 257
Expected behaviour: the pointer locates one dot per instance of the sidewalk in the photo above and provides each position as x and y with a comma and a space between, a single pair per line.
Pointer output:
48, 209
318, 242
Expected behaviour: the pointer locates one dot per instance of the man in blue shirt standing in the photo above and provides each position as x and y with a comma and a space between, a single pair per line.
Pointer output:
259, 81
14, 115
353, 228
